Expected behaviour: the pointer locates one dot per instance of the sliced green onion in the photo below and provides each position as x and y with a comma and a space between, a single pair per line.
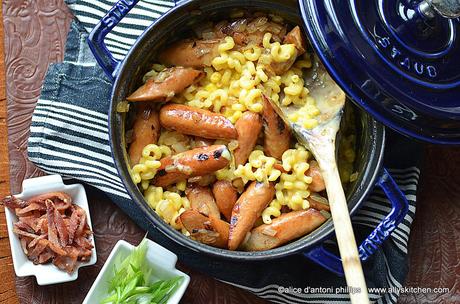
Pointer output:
132, 284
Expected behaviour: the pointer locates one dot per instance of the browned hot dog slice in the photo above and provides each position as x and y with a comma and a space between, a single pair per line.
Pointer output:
279, 68
191, 53
196, 162
198, 122
201, 200
248, 128
277, 135
225, 195
207, 230
317, 184
295, 37
250, 31
166, 84
285, 228
146, 130
247, 209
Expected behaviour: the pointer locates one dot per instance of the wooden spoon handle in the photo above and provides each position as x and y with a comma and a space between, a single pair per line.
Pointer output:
344, 231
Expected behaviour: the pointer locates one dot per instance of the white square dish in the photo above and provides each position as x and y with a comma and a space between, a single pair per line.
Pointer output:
161, 260
46, 274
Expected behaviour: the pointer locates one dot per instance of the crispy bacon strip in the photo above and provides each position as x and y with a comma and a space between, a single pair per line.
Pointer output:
61, 228
37, 239
12, 202
52, 229
60, 196
37, 250
31, 207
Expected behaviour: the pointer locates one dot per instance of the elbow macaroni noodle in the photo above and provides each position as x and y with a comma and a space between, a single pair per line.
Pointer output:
258, 168
168, 205
292, 188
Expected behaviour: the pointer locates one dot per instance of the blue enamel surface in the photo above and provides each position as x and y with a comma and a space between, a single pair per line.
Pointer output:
400, 67
96, 38
399, 209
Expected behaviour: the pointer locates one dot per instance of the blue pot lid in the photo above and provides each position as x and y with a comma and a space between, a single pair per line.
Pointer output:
396, 60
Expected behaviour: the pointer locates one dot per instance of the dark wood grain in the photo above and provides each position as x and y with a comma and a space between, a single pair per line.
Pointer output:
7, 287
35, 33
434, 244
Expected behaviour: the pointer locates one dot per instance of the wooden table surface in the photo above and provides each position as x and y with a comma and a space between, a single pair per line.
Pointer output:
35, 33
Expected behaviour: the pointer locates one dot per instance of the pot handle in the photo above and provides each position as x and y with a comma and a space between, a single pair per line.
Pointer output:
399, 209
96, 38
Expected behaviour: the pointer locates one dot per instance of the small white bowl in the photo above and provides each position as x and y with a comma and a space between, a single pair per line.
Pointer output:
161, 260
46, 273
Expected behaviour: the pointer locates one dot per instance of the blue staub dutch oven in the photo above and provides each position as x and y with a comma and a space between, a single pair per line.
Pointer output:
397, 60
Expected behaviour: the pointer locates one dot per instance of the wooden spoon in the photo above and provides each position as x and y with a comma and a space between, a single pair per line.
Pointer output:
330, 100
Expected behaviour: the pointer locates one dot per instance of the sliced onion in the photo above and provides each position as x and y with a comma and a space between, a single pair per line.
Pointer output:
275, 28
239, 25
325, 214
260, 21
208, 35
163, 75
353, 177
319, 198
269, 231
123, 107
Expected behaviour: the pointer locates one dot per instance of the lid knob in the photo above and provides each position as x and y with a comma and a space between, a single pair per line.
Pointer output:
445, 8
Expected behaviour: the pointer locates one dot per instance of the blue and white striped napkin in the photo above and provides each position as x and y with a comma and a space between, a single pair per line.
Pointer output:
69, 136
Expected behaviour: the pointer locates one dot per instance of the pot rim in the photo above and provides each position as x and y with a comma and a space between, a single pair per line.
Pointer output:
318, 236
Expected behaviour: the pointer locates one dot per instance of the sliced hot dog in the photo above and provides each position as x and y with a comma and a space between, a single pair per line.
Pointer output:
277, 135
207, 230
295, 37
201, 200
247, 209
252, 33
248, 128
198, 122
279, 68
146, 130
196, 162
191, 53
166, 84
317, 184
285, 228
225, 195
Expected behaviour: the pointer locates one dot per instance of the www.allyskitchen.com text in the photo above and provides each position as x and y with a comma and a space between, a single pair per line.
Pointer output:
353, 290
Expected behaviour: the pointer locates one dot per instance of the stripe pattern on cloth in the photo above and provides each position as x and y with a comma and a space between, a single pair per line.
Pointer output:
73, 141
123, 36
